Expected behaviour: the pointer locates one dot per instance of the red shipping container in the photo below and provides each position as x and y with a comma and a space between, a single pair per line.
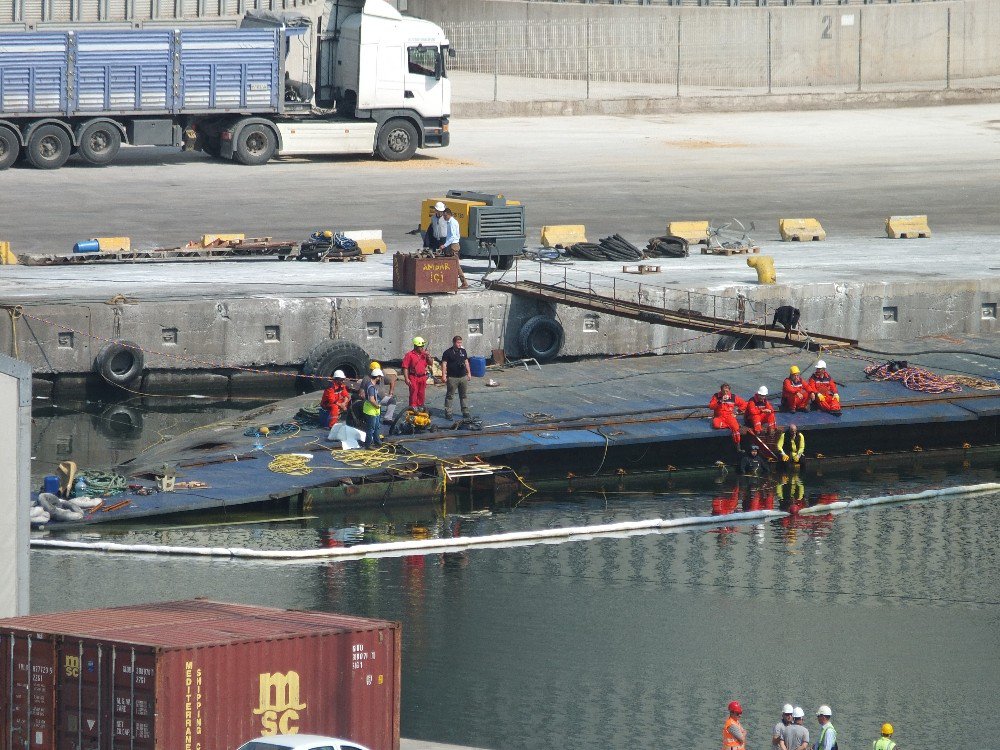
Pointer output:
195, 675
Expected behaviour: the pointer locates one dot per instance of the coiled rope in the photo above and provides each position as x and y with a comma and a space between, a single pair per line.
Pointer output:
104, 482
923, 380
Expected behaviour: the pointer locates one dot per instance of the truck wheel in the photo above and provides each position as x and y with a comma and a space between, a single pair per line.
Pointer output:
256, 145
397, 140
9, 147
99, 143
49, 147
504, 262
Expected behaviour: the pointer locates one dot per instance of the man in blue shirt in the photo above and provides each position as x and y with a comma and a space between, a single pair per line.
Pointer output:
451, 243
827, 734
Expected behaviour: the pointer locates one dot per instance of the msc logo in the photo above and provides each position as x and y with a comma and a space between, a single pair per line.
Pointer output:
72, 666
279, 703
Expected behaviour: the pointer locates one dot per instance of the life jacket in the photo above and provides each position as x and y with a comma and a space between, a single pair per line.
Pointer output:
725, 403
822, 383
791, 386
334, 396
728, 741
796, 444
883, 743
368, 407
822, 736
759, 405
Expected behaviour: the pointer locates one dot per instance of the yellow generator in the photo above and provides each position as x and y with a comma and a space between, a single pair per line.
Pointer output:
490, 226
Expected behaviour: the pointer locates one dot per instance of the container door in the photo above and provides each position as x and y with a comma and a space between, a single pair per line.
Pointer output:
134, 698
84, 715
27, 666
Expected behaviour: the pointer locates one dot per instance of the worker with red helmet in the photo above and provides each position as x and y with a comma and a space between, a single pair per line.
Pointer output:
794, 392
823, 391
725, 405
760, 412
734, 737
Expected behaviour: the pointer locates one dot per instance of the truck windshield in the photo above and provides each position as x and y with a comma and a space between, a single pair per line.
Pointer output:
425, 61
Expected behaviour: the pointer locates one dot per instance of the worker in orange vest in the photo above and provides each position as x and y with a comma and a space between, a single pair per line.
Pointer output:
725, 405
824, 390
760, 413
734, 737
336, 399
794, 392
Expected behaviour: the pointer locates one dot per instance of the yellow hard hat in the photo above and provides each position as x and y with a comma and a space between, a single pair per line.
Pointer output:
419, 341
793, 370
374, 366
887, 729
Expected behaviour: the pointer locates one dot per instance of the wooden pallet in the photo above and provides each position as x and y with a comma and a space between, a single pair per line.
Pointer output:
743, 250
641, 269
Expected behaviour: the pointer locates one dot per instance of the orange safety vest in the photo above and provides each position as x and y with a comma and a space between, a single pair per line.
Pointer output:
728, 741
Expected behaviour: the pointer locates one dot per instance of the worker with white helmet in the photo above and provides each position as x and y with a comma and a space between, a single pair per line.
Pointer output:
437, 229
823, 391
827, 734
797, 734
336, 399
885, 742
778, 734
372, 410
760, 413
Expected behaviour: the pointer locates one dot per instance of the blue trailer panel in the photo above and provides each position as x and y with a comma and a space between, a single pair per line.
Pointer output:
121, 72
33, 68
234, 70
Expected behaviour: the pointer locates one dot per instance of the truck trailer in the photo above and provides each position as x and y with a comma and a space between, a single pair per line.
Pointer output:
381, 88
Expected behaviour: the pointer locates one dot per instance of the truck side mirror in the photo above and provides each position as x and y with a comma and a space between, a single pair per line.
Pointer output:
452, 52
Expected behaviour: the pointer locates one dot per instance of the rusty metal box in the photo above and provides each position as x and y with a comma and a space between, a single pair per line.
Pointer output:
413, 274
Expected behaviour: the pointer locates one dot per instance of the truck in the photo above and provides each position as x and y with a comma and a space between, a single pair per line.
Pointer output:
381, 88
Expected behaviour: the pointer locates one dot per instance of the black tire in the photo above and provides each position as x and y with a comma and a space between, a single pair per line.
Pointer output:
10, 148
99, 143
355, 416
49, 147
737, 343
397, 140
541, 338
255, 145
119, 362
119, 421
328, 356
503, 262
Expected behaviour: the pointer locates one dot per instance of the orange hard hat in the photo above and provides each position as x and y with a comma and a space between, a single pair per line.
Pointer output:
735, 707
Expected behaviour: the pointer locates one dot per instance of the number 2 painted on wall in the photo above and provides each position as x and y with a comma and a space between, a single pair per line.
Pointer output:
827, 26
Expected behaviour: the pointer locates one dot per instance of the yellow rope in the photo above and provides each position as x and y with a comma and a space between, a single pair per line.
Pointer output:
295, 464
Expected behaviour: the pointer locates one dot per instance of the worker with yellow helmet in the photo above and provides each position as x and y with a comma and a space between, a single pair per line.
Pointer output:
416, 368
885, 742
794, 392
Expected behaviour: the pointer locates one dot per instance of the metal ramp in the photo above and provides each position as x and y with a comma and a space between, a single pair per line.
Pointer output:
614, 303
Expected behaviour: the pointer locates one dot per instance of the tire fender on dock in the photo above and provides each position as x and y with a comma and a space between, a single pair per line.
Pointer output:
329, 356
541, 338
119, 362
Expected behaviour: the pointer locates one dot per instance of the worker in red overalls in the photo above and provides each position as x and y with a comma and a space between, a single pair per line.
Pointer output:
336, 399
823, 391
760, 413
794, 392
416, 365
725, 405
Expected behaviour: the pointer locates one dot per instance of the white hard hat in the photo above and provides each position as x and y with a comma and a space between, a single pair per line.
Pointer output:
762, 391
821, 365
787, 708
376, 373
339, 374
798, 713
439, 206
824, 710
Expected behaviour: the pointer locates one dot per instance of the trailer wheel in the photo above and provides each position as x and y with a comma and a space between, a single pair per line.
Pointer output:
256, 145
99, 143
397, 140
9, 147
541, 338
49, 147
504, 262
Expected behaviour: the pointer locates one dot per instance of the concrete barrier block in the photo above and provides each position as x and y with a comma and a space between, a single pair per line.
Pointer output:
113, 244
369, 240
563, 234
907, 227
694, 232
801, 230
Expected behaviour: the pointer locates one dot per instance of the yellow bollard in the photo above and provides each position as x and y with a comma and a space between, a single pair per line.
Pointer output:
765, 268
7, 257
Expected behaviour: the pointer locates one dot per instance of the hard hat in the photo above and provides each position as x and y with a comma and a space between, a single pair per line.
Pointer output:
327, 234
787, 708
821, 365
374, 366
376, 373
754, 446
762, 391
793, 370
824, 710
798, 713
439, 206
339, 374
419, 341
735, 707
887, 729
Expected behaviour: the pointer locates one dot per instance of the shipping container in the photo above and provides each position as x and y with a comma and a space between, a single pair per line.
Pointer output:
195, 675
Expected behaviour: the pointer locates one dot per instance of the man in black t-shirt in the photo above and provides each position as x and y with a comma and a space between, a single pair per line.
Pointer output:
456, 374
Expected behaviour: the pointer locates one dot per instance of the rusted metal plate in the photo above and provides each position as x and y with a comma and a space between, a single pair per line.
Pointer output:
413, 274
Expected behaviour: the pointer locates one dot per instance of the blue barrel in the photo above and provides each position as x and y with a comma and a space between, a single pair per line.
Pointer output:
478, 366
87, 246
51, 484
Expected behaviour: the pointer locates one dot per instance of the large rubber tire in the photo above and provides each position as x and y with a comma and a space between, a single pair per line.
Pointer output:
541, 338
49, 147
119, 362
503, 262
10, 148
255, 145
736, 343
119, 421
328, 356
99, 143
397, 140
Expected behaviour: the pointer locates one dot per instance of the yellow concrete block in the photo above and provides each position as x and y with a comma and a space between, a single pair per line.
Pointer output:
7, 257
113, 244
907, 227
563, 234
369, 240
207, 240
801, 230
694, 232
764, 264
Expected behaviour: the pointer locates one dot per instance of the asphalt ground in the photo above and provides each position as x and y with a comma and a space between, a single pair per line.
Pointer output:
850, 169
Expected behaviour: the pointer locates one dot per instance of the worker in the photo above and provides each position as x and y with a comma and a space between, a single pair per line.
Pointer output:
791, 493
373, 412
753, 464
733, 735
437, 229
760, 412
386, 389
725, 405
451, 246
336, 399
779, 731
416, 367
797, 734
827, 734
794, 392
794, 441
823, 391
885, 742
456, 373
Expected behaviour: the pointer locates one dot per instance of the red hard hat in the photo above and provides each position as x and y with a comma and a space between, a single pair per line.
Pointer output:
735, 707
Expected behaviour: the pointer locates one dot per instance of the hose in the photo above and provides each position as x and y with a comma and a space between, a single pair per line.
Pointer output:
104, 482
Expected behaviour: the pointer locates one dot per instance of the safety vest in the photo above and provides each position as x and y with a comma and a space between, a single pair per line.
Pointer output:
883, 743
796, 444
822, 736
370, 409
728, 741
